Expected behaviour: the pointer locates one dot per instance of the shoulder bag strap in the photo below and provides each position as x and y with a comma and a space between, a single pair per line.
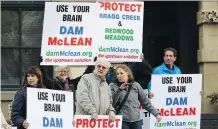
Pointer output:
124, 100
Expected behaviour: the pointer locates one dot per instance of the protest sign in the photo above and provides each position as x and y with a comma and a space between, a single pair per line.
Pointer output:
69, 32
178, 99
85, 122
121, 29
49, 109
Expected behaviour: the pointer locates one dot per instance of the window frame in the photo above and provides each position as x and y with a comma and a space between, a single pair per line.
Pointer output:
21, 6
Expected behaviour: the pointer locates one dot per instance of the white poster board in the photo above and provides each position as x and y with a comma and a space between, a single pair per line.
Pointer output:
49, 109
69, 33
121, 29
178, 98
85, 122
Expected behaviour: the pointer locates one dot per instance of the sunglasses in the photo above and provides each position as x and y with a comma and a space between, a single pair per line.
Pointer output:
100, 66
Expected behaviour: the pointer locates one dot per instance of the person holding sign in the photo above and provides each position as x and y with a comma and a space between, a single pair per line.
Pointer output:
94, 94
126, 94
33, 78
168, 67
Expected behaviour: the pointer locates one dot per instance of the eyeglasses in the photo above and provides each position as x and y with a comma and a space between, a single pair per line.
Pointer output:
100, 66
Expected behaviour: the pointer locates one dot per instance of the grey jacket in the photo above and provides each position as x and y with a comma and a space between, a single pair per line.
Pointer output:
93, 95
130, 110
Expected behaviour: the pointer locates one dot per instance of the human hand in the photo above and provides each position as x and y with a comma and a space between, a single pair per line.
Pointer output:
158, 118
73, 122
150, 95
123, 86
94, 116
112, 116
142, 56
25, 124
201, 92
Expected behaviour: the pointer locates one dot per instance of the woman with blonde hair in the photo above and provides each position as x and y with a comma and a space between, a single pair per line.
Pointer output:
126, 94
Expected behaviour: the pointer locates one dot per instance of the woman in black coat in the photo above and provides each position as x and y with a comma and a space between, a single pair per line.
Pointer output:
33, 78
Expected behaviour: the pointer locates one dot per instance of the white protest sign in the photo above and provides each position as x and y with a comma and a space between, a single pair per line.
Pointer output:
178, 99
145, 115
49, 109
121, 29
85, 122
69, 32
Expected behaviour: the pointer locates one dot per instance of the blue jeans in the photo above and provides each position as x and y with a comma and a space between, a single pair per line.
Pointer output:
132, 125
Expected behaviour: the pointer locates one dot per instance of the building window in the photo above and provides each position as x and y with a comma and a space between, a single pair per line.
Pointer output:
20, 44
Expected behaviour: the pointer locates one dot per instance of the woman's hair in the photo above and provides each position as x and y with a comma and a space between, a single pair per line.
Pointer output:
36, 71
126, 69
61, 67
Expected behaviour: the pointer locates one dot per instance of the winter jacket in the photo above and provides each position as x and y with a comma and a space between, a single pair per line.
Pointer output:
93, 95
130, 109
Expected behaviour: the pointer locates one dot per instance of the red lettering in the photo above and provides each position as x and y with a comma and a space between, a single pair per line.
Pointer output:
104, 125
110, 124
117, 122
107, 6
73, 41
114, 6
171, 112
178, 111
92, 123
99, 122
52, 41
85, 123
185, 112
60, 42
121, 6
78, 122
192, 111
133, 9
65, 42
167, 113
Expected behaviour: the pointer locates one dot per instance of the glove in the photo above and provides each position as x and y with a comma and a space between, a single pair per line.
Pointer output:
39, 60
112, 116
94, 116
95, 58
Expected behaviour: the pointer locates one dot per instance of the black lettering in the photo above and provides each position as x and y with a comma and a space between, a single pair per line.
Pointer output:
182, 80
167, 80
72, 18
174, 89
62, 8
42, 96
52, 107
147, 114
58, 97
84, 9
